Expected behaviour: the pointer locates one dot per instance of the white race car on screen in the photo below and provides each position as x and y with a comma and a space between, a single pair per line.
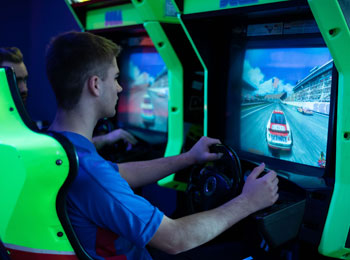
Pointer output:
278, 133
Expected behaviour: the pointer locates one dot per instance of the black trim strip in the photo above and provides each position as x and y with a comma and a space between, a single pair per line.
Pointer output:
61, 205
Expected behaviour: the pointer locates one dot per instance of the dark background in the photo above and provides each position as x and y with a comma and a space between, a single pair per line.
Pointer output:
29, 25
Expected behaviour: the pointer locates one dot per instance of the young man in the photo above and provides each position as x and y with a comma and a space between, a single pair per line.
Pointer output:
13, 57
109, 219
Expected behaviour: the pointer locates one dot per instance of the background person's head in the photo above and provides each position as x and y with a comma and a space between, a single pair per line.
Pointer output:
12, 57
72, 58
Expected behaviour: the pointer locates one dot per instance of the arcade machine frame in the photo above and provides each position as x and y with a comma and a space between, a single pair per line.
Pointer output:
332, 18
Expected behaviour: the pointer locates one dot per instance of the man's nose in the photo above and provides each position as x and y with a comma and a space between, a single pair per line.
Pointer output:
120, 89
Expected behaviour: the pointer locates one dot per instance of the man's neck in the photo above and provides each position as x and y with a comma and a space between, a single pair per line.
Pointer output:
74, 121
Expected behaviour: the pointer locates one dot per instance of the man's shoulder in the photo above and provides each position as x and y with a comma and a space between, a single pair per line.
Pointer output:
91, 164
79, 141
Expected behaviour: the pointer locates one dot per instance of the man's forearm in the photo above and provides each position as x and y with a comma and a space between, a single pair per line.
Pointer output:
194, 230
175, 236
145, 172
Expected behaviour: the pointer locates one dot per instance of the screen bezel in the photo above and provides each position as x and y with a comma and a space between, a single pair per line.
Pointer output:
236, 73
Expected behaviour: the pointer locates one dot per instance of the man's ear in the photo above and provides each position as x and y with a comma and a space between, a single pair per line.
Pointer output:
93, 85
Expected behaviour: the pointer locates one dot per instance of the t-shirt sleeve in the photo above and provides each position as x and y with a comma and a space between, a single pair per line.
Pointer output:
114, 165
110, 203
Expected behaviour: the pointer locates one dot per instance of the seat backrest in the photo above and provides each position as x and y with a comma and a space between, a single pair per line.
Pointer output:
36, 170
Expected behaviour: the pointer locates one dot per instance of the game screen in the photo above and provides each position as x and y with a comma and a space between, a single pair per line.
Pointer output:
143, 103
285, 103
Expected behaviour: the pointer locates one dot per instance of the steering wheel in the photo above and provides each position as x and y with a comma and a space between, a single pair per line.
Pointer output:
216, 182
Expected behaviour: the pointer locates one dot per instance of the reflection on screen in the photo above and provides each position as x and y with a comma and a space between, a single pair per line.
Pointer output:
144, 101
285, 103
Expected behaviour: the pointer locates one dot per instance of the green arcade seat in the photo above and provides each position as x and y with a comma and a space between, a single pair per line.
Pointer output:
36, 171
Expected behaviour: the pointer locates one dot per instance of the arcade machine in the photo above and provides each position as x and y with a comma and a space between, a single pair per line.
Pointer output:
271, 78
276, 80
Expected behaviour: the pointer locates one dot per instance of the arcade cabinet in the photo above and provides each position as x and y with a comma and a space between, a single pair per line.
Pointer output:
276, 81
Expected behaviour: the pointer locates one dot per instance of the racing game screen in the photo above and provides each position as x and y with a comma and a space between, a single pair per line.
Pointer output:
143, 103
285, 103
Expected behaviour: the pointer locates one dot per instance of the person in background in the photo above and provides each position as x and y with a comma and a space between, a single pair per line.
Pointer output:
13, 57
110, 220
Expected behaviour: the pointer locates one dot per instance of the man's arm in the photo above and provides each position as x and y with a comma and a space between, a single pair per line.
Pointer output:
176, 236
144, 172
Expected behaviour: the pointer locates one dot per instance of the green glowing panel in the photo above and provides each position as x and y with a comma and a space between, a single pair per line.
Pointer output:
332, 21
29, 181
10, 161
175, 120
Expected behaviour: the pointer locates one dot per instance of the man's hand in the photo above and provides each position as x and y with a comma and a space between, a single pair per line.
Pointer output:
200, 153
113, 137
261, 192
120, 134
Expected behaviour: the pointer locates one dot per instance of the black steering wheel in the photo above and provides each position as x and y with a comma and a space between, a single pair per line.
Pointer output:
216, 182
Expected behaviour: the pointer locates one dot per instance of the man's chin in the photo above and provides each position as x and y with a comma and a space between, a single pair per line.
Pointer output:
112, 114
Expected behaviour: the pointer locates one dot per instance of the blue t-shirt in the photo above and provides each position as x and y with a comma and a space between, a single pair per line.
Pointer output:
108, 218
